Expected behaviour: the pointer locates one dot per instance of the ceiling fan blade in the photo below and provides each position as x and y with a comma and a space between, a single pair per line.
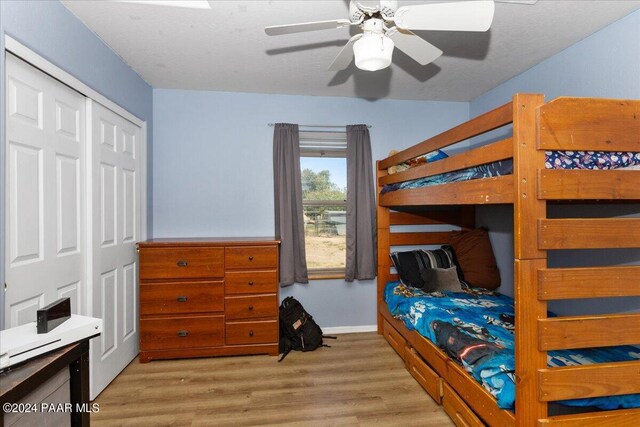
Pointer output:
415, 47
345, 56
459, 16
277, 30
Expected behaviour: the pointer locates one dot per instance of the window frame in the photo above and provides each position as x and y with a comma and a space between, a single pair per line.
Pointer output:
324, 144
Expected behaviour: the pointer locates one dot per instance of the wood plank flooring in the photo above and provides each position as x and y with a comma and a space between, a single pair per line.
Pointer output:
359, 381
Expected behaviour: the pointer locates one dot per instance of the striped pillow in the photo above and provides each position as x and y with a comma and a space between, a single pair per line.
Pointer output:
409, 264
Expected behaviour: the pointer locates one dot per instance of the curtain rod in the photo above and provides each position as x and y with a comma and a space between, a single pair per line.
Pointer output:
320, 126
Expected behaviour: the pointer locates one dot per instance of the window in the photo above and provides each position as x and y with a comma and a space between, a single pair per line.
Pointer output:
323, 165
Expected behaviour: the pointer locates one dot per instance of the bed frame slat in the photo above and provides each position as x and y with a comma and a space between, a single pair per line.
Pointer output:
496, 190
605, 379
618, 418
429, 218
488, 121
588, 282
569, 332
557, 184
428, 238
589, 233
590, 124
493, 152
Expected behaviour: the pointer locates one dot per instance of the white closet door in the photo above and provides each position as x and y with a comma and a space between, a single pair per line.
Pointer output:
115, 228
45, 146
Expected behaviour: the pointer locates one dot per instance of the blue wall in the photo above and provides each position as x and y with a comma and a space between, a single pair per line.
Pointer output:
53, 32
213, 170
606, 64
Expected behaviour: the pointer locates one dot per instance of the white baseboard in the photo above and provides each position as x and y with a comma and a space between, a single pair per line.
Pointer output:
349, 329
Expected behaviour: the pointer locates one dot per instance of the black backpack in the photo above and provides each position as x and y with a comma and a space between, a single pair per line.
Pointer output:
298, 330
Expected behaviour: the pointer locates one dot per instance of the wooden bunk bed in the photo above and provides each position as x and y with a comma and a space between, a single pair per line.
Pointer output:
563, 124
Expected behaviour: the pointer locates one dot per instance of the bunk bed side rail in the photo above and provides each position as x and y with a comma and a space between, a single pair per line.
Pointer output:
618, 418
605, 379
567, 332
590, 124
582, 184
586, 282
491, 120
489, 153
589, 233
495, 190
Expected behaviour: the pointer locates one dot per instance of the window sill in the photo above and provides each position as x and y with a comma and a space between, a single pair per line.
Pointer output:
325, 275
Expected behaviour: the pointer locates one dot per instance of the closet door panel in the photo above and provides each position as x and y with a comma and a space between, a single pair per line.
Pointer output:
115, 224
45, 182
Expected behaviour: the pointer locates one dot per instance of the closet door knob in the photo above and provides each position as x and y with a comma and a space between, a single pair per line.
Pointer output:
182, 263
250, 333
250, 307
250, 283
183, 334
250, 258
182, 298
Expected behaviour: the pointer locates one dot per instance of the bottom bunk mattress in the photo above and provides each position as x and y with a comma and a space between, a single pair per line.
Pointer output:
554, 160
476, 329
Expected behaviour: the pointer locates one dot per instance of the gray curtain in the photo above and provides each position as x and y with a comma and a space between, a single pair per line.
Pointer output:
288, 204
361, 207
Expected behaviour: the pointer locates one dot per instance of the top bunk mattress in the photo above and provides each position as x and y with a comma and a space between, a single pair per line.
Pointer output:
477, 330
603, 160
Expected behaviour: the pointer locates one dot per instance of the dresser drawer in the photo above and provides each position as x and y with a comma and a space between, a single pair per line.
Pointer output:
251, 257
180, 297
251, 282
259, 332
181, 332
251, 307
181, 263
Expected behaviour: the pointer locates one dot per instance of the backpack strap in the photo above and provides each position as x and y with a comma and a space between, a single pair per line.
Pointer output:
287, 351
329, 337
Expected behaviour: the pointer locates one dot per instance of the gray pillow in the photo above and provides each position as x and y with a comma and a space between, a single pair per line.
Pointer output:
441, 279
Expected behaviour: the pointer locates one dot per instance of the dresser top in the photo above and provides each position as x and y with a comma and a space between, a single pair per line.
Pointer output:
209, 241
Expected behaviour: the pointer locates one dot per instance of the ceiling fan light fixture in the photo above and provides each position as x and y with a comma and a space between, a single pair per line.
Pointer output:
373, 51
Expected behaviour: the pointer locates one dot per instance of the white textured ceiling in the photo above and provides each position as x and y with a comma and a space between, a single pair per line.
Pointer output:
226, 49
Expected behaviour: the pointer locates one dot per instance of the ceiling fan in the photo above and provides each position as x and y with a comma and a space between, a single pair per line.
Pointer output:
385, 26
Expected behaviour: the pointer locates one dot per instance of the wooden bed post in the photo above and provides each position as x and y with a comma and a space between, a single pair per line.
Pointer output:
384, 263
527, 210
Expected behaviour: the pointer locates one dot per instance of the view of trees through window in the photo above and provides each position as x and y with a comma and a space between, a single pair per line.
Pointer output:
324, 194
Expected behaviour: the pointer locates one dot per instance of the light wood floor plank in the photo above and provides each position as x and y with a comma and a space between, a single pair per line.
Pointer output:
359, 381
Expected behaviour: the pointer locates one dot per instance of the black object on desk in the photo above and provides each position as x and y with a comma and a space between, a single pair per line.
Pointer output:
53, 315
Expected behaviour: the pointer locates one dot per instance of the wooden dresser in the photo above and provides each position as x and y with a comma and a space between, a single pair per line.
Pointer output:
208, 297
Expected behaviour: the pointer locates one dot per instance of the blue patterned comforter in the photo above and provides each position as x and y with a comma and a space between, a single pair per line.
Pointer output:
476, 329
554, 160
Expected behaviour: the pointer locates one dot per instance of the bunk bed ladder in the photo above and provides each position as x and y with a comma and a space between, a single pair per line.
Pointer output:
590, 125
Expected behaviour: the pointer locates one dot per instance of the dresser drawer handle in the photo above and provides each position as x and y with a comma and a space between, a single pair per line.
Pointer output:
250, 283
250, 258
182, 298
182, 263
250, 333
183, 334
250, 307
